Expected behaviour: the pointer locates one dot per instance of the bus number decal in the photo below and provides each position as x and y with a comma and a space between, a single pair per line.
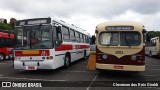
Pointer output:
119, 52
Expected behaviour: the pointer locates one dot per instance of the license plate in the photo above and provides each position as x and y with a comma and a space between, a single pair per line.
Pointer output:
118, 67
31, 67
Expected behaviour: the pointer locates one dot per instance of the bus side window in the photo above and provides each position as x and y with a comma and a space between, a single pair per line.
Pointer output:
84, 37
153, 42
57, 36
81, 38
72, 35
66, 35
77, 36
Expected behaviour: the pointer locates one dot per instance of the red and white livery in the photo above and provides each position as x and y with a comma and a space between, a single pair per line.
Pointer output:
46, 43
6, 45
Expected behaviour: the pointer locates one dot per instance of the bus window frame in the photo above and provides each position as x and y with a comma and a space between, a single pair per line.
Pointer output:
118, 38
108, 44
57, 36
64, 34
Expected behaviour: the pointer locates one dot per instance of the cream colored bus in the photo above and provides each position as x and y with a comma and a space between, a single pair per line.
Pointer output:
120, 46
153, 48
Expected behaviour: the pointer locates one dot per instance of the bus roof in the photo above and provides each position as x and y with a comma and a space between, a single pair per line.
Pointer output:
155, 37
72, 26
35, 21
136, 25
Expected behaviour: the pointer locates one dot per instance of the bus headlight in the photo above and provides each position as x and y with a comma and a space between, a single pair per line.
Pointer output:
104, 56
133, 57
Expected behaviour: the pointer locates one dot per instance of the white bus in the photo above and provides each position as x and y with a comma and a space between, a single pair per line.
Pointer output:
46, 43
153, 47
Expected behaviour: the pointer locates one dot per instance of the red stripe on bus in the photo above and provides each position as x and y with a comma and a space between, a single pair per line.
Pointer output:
40, 53
81, 46
70, 47
63, 47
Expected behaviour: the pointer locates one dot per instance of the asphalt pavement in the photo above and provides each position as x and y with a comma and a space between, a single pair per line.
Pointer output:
77, 77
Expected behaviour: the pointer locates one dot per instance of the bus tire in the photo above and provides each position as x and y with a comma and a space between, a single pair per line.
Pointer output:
67, 60
2, 56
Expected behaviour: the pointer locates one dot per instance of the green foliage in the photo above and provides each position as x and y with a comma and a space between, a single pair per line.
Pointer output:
152, 34
5, 26
12, 24
5, 21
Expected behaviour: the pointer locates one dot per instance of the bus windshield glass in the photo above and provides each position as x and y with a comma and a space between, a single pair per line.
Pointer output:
130, 39
120, 38
110, 39
33, 37
6, 42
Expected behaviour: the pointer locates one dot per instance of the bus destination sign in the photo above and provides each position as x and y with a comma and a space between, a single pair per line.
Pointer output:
33, 21
119, 28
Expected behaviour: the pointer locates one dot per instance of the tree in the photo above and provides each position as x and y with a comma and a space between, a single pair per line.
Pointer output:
93, 38
12, 22
5, 26
152, 34
5, 21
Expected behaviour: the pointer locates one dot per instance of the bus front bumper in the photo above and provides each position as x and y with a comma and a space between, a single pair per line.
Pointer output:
38, 65
120, 67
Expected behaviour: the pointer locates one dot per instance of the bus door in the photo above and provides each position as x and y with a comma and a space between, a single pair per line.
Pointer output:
57, 35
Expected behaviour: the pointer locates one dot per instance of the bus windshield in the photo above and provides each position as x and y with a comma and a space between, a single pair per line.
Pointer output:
6, 40
110, 39
33, 37
130, 39
125, 39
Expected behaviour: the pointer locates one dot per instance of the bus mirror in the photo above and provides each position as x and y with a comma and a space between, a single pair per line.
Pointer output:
144, 31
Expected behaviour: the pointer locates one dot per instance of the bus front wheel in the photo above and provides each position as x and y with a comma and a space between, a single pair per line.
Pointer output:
66, 61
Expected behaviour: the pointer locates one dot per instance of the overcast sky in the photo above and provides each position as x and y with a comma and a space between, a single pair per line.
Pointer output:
85, 13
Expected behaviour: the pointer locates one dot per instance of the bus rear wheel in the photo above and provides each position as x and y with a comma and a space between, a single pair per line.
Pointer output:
66, 61
2, 56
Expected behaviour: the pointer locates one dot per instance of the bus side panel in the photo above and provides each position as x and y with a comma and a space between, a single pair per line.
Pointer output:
59, 58
151, 50
5, 52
